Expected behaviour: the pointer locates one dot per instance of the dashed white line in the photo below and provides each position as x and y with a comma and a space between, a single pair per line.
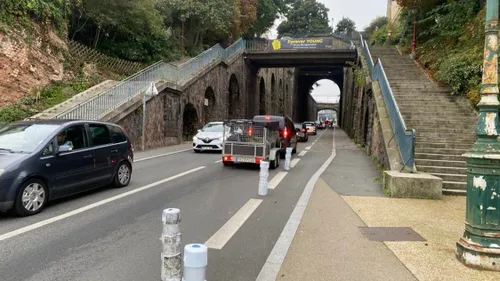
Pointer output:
92, 206
294, 162
161, 155
309, 147
276, 180
218, 161
302, 153
220, 238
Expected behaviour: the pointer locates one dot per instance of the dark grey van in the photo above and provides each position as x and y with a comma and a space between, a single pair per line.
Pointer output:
43, 160
287, 130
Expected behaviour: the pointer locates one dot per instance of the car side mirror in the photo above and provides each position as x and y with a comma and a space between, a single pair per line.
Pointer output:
64, 148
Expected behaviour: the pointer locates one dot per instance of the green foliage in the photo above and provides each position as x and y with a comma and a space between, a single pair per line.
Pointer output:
21, 11
305, 17
345, 26
378, 22
45, 98
358, 74
450, 41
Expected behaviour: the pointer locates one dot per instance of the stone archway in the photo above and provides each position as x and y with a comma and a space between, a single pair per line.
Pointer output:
273, 94
209, 113
189, 122
234, 97
262, 97
288, 100
281, 100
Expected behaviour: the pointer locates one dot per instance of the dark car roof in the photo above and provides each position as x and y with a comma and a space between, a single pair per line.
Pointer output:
60, 122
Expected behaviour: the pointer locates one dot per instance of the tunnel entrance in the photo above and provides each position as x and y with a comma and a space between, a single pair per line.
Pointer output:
234, 97
273, 95
189, 121
262, 97
209, 105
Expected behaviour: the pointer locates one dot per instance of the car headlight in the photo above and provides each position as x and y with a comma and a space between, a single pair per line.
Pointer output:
1, 171
221, 139
195, 138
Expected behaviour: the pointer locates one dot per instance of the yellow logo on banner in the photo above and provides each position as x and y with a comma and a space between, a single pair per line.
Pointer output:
276, 44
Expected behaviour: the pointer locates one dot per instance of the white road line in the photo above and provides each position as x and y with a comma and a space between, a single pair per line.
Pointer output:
220, 238
161, 155
218, 161
294, 162
276, 180
302, 153
271, 268
309, 147
92, 206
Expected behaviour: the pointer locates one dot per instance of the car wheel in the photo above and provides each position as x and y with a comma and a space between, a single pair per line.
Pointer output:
123, 175
31, 198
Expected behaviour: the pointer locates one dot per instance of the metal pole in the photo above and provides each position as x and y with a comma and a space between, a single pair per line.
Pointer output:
143, 121
479, 246
171, 269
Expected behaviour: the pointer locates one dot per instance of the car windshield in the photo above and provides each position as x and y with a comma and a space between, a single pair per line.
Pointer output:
298, 126
24, 137
309, 124
213, 128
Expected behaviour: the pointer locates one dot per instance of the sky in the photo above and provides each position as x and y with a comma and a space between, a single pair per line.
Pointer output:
362, 12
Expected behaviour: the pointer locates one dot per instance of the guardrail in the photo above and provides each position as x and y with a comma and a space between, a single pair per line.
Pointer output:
404, 137
135, 85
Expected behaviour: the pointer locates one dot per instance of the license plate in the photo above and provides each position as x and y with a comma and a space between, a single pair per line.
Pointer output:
243, 160
206, 148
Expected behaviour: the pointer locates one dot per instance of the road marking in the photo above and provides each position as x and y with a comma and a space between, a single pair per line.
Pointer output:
218, 161
294, 162
302, 153
276, 180
161, 155
271, 268
92, 206
309, 147
220, 238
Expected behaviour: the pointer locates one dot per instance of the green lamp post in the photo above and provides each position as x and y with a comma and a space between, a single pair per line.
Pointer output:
479, 246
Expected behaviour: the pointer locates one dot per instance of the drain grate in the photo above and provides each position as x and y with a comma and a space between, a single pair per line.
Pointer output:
391, 234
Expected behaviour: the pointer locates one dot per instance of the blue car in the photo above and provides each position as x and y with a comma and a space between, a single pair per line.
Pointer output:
43, 160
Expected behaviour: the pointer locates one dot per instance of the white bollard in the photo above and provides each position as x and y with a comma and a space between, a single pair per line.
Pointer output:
195, 262
264, 173
288, 158
171, 256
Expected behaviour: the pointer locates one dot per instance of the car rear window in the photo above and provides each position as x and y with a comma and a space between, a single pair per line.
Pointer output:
117, 134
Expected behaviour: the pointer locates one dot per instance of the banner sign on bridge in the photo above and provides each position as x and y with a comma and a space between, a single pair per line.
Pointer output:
302, 43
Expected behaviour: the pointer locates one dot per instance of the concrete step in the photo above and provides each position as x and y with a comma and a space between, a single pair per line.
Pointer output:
446, 163
451, 187
442, 170
444, 129
441, 121
452, 151
433, 156
443, 145
408, 114
433, 138
451, 177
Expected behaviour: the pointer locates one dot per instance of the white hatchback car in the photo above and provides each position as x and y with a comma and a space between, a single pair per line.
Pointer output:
210, 137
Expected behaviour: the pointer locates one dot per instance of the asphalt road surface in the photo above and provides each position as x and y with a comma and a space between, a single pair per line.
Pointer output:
84, 238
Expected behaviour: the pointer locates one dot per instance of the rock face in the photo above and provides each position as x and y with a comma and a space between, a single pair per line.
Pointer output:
28, 61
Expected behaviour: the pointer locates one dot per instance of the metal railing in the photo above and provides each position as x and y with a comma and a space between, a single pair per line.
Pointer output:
135, 85
404, 137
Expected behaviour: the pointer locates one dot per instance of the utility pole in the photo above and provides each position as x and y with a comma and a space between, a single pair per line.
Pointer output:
479, 246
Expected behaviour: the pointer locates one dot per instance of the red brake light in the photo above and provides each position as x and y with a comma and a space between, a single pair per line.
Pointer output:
303, 130
285, 133
250, 132
227, 158
267, 118
258, 160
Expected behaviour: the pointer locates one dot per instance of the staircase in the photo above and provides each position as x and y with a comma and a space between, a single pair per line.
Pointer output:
445, 124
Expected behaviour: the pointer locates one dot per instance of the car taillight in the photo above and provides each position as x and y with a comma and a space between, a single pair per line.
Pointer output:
285, 133
227, 158
249, 132
303, 130
258, 160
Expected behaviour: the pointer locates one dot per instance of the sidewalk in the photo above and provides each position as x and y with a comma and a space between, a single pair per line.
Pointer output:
329, 246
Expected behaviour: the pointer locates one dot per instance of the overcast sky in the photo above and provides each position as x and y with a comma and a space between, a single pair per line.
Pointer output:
362, 12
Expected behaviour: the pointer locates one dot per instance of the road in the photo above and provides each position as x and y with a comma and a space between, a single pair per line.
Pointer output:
84, 238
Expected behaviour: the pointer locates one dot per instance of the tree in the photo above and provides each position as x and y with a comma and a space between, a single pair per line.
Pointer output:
420, 4
304, 17
378, 22
267, 14
346, 26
